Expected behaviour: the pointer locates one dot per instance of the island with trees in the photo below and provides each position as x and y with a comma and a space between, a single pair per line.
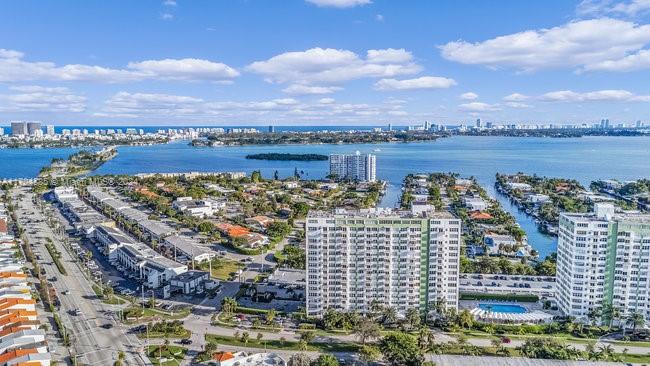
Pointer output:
287, 157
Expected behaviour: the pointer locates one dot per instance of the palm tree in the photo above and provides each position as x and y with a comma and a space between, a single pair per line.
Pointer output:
635, 319
388, 315
594, 315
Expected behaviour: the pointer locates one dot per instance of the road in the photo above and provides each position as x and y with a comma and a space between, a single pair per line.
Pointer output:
90, 342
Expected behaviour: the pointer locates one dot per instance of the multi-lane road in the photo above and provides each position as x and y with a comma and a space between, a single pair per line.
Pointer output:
96, 335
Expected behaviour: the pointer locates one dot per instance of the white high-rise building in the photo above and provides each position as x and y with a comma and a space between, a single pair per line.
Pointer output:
603, 262
50, 130
357, 167
395, 258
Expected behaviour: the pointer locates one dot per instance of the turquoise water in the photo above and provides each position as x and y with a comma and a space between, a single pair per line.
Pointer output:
503, 308
584, 159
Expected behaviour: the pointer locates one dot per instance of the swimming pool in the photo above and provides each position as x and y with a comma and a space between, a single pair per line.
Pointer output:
503, 308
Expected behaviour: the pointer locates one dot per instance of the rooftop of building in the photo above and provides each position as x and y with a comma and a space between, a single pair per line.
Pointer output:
379, 213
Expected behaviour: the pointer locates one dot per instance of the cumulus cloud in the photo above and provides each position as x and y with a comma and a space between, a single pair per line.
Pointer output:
469, 96
186, 108
424, 82
518, 105
515, 97
479, 107
339, 3
300, 89
184, 69
35, 98
637, 61
13, 67
599, 7
579, 44
327, 66
611, 95
148, 104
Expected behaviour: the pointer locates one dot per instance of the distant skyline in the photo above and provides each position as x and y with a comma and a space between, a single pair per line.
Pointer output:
323, 62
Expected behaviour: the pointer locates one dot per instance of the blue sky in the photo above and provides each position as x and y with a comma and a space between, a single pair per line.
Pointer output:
322, 62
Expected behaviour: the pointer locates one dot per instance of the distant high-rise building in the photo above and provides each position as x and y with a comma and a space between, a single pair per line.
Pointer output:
2, 131
271, 129
394, 258
489, 125
18, 128
639, 124
32, 127
357, 167
427, 126
390, 127
50, 130
479, 123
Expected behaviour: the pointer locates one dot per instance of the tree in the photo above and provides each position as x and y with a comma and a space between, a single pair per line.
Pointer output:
369, 354
401, 349
413, 318
325, 360
367, 329
270, 315
426, 338
307, 336
299, 359
635, 319
465, 319
229, 305
245, 337
388, 315
594, 315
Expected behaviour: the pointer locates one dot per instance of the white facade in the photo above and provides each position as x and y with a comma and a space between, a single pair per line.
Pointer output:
357, 167
393, 257
603, 260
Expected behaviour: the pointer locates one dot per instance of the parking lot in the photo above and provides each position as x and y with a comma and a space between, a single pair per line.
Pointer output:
542, 286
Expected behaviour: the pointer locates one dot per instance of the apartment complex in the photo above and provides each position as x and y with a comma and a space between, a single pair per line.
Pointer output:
356, 167
395, 258
602, 260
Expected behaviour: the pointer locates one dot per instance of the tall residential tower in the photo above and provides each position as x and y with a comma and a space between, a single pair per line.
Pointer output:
395, 258
603, 261
357, 167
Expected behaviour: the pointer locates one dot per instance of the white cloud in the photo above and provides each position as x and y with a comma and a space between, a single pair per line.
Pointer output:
185, 69
379, 18
515, 97
166, 16
637, 61
424, 82
143, 104
169, 2
577, 44
479, 107
13, 67
599, 7
300, 89
326, 101
518, 105
35, 98
611, 95
339, 3
318, 66
469, 96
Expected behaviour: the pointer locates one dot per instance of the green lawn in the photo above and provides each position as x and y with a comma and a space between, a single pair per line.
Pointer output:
173, 354
222, 268
185, 334
277, 344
